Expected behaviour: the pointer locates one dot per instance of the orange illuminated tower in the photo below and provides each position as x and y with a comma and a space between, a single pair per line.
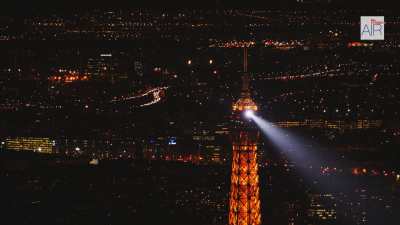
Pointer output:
244, 200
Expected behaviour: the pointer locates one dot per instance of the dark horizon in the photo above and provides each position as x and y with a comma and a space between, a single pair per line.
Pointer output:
21, 6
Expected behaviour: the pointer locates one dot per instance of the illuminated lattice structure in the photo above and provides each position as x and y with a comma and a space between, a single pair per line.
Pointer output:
244, 200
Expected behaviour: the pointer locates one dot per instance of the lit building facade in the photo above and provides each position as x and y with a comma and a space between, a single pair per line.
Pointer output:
322, 209
244, 200
40, 145
104, 66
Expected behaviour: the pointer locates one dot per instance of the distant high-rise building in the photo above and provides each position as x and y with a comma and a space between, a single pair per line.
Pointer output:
322, 208
138, 67
207, 144
102, 66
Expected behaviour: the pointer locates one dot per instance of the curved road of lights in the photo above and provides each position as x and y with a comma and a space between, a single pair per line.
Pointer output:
156, 92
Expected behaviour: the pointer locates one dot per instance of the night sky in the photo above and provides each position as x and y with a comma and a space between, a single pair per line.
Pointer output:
22, 6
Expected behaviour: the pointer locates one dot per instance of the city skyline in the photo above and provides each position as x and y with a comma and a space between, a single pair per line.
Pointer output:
206, 115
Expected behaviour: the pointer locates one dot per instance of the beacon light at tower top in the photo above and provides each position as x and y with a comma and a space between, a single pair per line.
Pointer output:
249, 113
244, 104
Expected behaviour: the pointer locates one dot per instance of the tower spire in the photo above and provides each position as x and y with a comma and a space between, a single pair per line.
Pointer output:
245, 60
245, 76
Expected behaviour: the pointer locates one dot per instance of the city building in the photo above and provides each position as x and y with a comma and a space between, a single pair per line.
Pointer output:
322, 208
40, 145
103, 66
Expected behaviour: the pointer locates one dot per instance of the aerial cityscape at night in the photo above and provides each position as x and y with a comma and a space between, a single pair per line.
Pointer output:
218, 114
